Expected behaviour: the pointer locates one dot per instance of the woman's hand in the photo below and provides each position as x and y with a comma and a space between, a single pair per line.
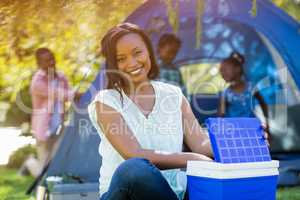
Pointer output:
201, 157
267, 134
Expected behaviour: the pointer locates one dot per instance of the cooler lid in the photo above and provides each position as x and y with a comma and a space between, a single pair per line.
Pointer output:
232, 170
237, 140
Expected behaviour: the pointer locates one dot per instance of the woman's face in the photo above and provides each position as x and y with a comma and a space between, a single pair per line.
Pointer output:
133, 57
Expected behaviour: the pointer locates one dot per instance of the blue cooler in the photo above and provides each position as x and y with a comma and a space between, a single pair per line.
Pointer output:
232, 181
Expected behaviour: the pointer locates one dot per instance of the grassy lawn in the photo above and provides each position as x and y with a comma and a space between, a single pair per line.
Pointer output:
13, 187
292, 193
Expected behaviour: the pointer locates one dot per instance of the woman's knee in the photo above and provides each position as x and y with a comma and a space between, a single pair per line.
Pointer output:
140, 177
135, 170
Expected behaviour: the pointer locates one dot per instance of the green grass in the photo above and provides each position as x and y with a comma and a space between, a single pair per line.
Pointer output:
13, 187
292, 193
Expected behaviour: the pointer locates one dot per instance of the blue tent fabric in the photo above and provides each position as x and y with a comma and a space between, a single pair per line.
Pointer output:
227, 25
77, 154
277, 26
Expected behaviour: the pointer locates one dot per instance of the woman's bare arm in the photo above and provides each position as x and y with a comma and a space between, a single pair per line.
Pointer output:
195, 137
122, 139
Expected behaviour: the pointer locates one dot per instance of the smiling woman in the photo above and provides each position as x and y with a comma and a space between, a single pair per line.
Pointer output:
142, 123
122, 58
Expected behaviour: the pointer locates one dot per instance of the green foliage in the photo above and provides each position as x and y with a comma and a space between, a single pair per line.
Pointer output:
19, 111
19, 156
292, 7
71, 28
254, 8
173, 14
200, 11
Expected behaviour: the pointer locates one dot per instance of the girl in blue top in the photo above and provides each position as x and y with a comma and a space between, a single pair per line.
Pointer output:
237, 99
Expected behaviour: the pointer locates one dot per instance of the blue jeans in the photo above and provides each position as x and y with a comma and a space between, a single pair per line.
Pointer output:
138, 179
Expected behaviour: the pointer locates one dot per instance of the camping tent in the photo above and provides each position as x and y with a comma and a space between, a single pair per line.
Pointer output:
270, 42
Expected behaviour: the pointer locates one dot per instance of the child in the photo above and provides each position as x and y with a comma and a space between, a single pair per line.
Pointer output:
236, 100
168, 47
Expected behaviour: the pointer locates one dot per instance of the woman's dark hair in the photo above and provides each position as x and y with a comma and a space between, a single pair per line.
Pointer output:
236, 59
108, 49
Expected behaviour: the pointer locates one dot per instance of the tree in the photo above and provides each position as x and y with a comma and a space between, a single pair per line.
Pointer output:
71, 28
292, 7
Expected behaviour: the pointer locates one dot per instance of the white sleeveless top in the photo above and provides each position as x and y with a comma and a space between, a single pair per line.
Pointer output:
162, 130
